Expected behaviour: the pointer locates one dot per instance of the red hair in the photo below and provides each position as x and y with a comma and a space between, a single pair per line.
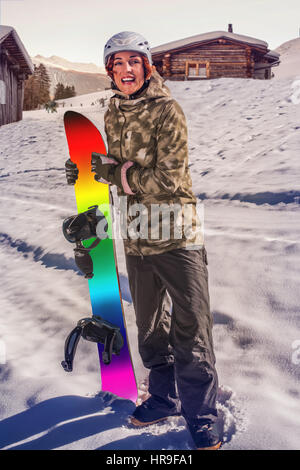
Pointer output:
149, 69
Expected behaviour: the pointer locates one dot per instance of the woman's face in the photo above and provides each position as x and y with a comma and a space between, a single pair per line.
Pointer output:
128, 71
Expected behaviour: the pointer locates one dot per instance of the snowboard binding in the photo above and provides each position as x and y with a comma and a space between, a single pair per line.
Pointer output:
80, 227
97, 330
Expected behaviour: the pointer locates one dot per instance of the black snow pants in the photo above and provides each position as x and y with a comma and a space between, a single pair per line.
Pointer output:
171, 301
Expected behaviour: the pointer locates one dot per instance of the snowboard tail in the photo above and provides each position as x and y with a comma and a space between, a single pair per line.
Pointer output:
84, 138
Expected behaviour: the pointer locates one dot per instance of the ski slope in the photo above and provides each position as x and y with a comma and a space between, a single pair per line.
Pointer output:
244, 142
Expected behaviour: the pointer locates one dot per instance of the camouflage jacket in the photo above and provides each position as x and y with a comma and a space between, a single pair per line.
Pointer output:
151, 131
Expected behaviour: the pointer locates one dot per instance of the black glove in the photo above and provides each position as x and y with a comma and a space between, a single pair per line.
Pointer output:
109, 170
71, 171
104, 167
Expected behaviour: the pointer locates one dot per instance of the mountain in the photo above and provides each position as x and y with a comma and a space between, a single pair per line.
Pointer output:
60, 62
289, 59
86, 78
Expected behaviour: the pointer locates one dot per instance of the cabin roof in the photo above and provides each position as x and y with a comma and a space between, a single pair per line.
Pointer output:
198, 38
272, 55
16, 48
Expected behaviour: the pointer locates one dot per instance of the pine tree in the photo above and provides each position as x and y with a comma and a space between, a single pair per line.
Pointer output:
37, 88
59, 91
44, 84
31, 92
70, 91
63, 92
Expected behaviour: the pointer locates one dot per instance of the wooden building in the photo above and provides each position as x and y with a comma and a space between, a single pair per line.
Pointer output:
15, 67
214, 55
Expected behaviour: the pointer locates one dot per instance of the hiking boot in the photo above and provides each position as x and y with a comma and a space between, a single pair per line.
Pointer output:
205, 436
152, 411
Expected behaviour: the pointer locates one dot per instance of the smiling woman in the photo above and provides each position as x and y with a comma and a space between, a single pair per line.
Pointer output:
128, 62
147, 142
148, 162
128, 71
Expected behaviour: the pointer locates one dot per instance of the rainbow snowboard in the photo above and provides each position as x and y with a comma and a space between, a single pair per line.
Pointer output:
84, 138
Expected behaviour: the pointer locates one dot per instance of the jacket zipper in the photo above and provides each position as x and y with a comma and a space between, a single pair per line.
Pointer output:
121, 136
122, 158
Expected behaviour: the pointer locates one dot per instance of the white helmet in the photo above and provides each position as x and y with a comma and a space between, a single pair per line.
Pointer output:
127, 41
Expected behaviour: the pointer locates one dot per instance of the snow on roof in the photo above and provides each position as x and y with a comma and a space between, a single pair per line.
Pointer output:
23, 56
207, 37
272, 55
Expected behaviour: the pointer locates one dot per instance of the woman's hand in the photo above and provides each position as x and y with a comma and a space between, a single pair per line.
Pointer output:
103, 167
71, 172
108, 170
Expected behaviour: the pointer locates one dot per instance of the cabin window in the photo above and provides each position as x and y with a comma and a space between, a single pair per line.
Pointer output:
192, 70
196, 70
202, 71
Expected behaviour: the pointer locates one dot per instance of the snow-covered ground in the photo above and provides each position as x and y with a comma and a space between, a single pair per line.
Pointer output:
244, 139
289, 59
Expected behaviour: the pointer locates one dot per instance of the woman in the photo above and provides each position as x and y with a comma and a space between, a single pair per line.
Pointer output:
148, 162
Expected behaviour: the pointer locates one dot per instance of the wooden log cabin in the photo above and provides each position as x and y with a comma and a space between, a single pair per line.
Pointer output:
15, 67
213, 55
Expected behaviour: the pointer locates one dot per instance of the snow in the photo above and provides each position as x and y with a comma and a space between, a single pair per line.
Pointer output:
89, 99
289, 59
244, 141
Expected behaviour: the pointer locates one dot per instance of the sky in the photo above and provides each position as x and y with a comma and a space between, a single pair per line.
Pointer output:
77, 30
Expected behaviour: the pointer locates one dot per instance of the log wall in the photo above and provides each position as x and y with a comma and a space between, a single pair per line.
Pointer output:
221, 59
11, 111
